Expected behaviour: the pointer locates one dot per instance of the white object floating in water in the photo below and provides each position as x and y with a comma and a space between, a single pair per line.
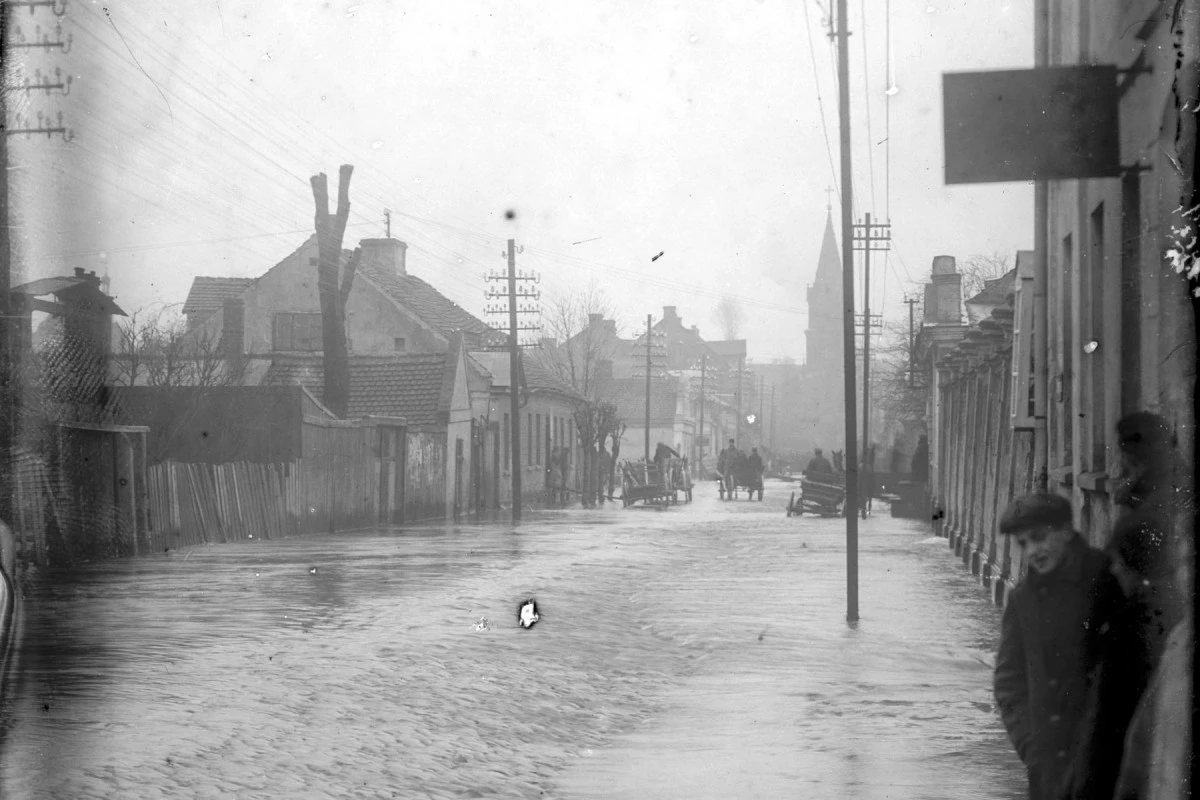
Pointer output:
483, 624
527, 614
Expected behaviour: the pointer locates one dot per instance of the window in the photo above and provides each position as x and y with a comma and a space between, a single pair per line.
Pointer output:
529, 440
399, 345
297, 333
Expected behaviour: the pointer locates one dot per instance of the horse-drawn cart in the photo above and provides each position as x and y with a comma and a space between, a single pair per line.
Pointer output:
743, 475
655, 482
823, 495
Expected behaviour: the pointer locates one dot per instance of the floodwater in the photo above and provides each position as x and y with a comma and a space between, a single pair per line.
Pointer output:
695, 652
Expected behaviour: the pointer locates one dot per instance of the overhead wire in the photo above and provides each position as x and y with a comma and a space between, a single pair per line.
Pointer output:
820, 104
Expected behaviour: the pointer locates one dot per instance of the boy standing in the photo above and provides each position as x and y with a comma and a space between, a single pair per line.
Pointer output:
1050, 635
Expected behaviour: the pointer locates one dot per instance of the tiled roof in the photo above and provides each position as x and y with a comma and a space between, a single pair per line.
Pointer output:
210, 294
438, 311
538, 376
408, 386
997, 290
541, 378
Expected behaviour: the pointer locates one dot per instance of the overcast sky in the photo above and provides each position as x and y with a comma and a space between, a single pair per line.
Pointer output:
692, 129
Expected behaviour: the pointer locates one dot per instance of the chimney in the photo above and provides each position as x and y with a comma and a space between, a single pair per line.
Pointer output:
669, 315
386, 253
604, 368
595, 319
929, 315
943, 294
233, 327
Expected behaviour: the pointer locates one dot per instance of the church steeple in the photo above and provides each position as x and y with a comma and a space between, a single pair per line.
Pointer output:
829, 265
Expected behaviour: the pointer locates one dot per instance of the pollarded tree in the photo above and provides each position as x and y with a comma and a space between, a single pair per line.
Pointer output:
334, 292
584, 344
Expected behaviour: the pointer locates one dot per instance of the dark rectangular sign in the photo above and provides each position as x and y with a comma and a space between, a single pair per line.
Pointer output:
1049, 123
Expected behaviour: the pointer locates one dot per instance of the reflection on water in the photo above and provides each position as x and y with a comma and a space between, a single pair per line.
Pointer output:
350, 665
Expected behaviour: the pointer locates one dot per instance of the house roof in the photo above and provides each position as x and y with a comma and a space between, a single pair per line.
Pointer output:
538, 376
408, 386
995, 292
78, 291
629, 394
434, 308
209, 294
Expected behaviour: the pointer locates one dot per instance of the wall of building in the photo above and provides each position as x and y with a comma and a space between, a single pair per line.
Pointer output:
547, 422
1120, 324
373, 321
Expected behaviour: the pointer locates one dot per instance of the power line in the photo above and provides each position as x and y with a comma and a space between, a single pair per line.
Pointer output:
820, 105
867, 103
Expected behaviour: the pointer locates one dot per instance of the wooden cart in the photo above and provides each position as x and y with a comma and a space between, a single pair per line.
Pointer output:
652, 483
824, 496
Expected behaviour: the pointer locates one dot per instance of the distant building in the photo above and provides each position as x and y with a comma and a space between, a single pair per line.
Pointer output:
820, 419
388, 311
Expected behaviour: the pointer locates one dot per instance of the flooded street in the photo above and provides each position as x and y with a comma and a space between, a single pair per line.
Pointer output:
699, 651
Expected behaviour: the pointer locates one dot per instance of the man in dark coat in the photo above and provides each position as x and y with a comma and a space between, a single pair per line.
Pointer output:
819, 465
1129, 653
1050, 637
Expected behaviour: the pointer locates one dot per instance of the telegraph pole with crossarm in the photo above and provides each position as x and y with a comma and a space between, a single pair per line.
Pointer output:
868, 237
514, 294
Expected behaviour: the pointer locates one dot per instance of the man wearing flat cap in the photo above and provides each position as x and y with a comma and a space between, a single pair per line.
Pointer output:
1050, 637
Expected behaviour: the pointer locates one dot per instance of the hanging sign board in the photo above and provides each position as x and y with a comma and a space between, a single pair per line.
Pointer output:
1049, 123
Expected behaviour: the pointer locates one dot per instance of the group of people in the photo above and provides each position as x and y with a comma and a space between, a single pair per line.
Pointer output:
1085, 634
730, 460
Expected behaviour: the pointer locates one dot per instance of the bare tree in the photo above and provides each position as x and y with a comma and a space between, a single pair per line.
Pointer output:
978, 269
729, 317
182, 365
577, 359
134, 338
334, 293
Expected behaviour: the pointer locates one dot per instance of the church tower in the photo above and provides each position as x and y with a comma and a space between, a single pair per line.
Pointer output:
824, 411
823, 339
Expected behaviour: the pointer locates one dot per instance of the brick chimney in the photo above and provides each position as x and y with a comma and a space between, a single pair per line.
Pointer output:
943, 294
669, 315
595, 319
386, 253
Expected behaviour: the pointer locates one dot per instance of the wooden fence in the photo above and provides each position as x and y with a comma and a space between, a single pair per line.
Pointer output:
96, 498
350, 476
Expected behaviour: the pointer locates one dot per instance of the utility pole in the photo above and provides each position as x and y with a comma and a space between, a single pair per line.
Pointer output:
737, 392
703, 364
761, 424
651, 352
511, 277
772, 418
912, 341
851, 455
868, 237
648, 352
